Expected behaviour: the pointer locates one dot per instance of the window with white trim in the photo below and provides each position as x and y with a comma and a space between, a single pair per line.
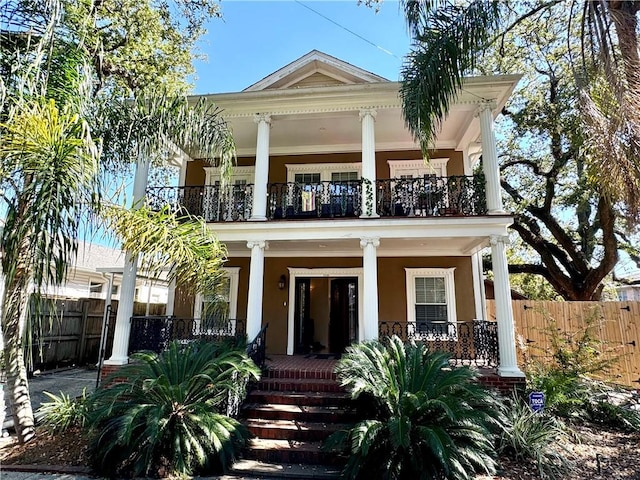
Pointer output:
216, 311
431, 303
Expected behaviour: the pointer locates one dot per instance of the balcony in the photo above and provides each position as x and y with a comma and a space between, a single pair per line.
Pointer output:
428, 196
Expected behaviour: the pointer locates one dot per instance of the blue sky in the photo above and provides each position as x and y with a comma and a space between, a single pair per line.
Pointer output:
255, 38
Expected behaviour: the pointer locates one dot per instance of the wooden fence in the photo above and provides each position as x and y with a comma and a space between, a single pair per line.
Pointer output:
69, 333
617, 324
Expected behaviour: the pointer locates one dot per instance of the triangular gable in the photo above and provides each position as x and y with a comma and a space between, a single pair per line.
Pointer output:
315, 69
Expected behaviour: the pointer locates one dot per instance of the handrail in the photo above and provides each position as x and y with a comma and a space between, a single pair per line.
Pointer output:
257, 348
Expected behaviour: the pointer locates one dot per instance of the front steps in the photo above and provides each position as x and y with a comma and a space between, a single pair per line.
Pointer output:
290, 413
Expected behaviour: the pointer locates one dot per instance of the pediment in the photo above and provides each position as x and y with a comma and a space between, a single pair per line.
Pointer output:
315, 69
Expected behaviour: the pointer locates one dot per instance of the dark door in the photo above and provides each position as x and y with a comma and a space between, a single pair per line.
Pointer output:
303, 330
343, 318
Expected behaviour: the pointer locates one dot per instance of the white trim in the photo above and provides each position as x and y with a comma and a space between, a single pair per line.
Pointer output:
324, 169
212, 174
233, 274
449, 285
320, 273
437, 166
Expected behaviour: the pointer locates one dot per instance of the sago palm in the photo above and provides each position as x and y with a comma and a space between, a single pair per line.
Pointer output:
166, 419
429, 421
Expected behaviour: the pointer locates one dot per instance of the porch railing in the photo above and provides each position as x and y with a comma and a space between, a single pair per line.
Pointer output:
231, 203
154, 333
257, 348
426, 196
469, 343
431, 196
323, 199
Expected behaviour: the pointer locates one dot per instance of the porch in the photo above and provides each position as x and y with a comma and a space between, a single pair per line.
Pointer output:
472, 343
427, 196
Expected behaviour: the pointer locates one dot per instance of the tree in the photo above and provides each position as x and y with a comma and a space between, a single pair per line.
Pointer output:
567, 224
450, 36
49, 158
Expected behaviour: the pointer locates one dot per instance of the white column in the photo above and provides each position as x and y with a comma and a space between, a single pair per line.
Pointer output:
504, 312
478, 286
171, 298
259, 212
367, 118
119, 353
256, 286
370, 274
490, 159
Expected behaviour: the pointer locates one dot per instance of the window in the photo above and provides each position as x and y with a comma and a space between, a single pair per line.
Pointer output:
431, 302
344, 176
307, 178
323, 172
219, 313
114, 289
95, 287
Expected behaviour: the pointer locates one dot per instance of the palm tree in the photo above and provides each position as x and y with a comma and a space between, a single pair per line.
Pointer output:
450, 36
49, 165
169, 414
427, 421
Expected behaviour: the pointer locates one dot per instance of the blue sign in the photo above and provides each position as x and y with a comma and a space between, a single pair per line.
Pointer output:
536, 401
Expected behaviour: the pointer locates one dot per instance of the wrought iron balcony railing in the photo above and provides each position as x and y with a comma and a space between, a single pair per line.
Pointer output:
231, 203
323, 199
154, 333
431, 196
426, 196
469, 343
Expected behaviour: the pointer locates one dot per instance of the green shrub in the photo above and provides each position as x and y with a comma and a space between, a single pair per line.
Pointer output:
536, 437
166, 419
64, 412
428, 421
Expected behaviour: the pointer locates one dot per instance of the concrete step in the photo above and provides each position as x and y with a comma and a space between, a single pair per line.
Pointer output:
292, 429
276, 411
291, 471
310, 399
290, 451
299, 385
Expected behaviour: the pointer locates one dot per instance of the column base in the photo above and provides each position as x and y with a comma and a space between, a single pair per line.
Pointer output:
498, 212
118, 361
257, 219
513, 372
375, 215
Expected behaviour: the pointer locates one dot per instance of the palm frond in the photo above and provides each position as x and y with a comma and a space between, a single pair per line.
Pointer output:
448, 36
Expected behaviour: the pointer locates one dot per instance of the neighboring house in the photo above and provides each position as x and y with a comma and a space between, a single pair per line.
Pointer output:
337, 229
629, 293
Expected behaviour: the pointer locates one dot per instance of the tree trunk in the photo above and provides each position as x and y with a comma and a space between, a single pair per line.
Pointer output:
14, 316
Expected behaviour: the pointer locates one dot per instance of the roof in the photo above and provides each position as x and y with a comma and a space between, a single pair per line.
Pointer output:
315, 69
92, 256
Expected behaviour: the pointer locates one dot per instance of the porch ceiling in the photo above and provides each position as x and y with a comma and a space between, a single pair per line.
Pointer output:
326, 119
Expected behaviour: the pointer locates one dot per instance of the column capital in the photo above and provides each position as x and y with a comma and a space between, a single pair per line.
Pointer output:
375, 241
485, 105
261, 244
262, 118
495, 239
368, 112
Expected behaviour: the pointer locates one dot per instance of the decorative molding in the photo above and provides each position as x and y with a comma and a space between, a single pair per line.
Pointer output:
375, 241
495, 239
324, 169
261, 244
262, 118
368, 112
490, 105
419, 164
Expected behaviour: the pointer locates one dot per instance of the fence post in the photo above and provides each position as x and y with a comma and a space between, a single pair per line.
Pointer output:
82, 350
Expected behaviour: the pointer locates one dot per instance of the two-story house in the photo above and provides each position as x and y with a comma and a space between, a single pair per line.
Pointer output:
338, 230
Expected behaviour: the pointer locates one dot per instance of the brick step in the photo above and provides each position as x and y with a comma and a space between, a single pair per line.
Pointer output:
291, 471
327, 413
311, 374
299, 385
292, 430
290, 451
315, 399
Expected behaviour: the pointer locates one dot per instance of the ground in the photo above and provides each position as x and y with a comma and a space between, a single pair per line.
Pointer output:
598, 455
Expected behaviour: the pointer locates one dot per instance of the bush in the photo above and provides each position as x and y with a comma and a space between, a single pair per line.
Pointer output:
167, 420
64, 412
532, 436
429, 421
